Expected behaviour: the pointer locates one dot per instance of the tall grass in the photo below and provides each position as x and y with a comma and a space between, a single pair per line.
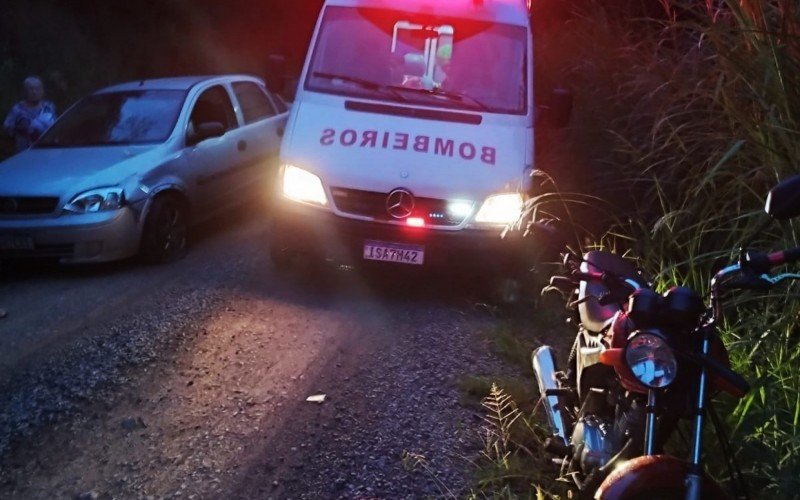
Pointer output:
699, 115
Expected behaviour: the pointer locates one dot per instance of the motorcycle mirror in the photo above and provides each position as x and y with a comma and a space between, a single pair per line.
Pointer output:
783, 202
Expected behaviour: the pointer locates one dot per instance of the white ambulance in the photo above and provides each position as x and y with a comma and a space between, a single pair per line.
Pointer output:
411, 137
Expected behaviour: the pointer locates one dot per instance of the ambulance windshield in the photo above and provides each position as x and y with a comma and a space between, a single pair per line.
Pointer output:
421, 59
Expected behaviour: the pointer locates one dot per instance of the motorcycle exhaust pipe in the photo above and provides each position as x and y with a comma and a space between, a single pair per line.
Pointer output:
544, 365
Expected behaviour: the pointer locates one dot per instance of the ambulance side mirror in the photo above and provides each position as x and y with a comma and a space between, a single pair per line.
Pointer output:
559, 111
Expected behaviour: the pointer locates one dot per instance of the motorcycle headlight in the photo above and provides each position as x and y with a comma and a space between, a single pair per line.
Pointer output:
651, 360
300, 185
97, 200
501, 209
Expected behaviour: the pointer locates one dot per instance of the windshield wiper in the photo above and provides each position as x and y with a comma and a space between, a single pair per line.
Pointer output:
453, 96
362, 82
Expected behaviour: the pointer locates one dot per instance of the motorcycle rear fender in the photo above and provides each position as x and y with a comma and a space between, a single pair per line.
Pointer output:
649, 474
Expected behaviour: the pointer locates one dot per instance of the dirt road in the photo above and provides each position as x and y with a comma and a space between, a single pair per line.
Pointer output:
190, 380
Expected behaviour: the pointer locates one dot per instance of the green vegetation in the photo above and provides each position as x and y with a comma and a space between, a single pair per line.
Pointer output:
512, 463
685, 117
709, 125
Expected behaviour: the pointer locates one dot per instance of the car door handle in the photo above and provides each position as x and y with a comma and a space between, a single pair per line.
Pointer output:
242, 145
280, 131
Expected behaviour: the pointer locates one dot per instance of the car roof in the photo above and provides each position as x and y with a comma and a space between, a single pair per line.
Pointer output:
175, 83
501, 11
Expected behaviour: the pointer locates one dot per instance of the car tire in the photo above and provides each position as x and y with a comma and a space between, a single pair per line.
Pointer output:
165, 236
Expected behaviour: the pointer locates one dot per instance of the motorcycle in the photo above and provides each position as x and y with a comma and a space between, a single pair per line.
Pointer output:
641, 363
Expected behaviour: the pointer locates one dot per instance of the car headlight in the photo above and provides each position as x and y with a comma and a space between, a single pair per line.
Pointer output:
97, 200
501, 209
651, 360
300, 185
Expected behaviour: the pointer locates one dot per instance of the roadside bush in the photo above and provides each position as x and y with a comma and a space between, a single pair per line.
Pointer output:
685, 117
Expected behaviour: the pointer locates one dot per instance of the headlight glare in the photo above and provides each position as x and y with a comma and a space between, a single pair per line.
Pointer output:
301, 185
501, 209
97, 200
651, 360
459, 208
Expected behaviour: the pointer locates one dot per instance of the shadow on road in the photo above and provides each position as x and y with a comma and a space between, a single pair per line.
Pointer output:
21, 270
326, 287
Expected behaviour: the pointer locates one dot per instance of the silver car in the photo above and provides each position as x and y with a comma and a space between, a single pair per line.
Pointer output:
129, 168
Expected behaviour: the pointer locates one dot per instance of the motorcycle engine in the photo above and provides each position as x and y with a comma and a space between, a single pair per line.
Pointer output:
594, 444
596, 440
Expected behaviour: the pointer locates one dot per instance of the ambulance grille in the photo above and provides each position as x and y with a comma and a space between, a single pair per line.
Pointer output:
373, 205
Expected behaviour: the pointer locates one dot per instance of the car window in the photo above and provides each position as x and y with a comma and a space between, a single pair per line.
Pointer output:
213, 105
254, 102
117, 118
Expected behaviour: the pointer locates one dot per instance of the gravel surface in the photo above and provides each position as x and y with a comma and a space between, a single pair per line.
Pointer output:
60, 385
399, 400
195, 385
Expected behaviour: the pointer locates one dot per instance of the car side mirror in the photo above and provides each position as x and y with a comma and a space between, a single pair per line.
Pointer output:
206, 130
783, 202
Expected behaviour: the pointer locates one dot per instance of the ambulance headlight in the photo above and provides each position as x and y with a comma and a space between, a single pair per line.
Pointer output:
501, 209
303, 186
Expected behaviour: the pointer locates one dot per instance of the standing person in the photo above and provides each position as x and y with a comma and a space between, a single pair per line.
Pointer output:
31, 117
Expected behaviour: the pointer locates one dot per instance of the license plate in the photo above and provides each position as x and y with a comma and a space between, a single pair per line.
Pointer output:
16, 243
394, 252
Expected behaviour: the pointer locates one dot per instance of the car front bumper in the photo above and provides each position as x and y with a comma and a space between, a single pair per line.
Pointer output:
322, 234
72, 239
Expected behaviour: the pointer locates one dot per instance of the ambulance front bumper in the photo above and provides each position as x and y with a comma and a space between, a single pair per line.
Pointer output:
321, 234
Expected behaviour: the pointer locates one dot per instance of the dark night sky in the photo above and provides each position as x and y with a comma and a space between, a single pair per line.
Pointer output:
79, 45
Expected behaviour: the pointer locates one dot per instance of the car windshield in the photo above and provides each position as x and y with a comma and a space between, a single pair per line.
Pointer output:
117, 118
400, 56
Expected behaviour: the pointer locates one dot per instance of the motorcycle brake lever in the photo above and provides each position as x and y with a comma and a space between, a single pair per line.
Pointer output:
603, 300
774, 280
746, 279
584, 300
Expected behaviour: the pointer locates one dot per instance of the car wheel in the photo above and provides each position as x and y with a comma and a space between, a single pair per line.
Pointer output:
166, 231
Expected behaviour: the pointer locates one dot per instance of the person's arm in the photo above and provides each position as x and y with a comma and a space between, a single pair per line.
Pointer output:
44, 121
10, 123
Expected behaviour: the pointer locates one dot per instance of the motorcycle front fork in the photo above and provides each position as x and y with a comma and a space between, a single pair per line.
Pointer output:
694, 479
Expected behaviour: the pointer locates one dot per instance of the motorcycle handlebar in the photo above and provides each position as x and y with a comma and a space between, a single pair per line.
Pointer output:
784, 257
761, 263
